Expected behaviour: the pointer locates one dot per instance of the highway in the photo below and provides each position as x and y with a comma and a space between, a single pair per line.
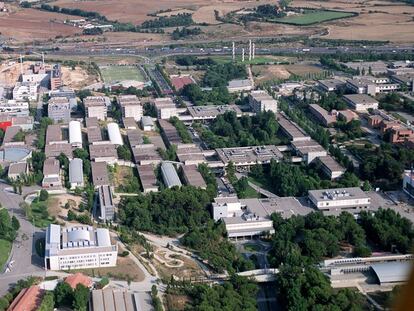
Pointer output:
159, 52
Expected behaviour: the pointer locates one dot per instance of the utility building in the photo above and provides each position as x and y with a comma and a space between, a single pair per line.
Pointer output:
76, 173
169, 175
75, 134
114, 134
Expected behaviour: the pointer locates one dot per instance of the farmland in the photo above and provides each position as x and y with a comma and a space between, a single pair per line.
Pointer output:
112, 74
312, 17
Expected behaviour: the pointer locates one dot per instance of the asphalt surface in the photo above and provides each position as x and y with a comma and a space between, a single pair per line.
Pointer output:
23, 254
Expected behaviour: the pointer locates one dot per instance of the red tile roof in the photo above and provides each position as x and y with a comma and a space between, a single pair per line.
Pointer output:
29, 299
78, 278
180, 81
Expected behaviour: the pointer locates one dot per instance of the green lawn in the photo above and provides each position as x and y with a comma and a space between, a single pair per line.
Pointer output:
311, 17
5, 248
38, 214
112, 74
252, 247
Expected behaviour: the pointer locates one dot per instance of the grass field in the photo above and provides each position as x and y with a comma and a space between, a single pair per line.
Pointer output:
312, 17
112, 74
5, 248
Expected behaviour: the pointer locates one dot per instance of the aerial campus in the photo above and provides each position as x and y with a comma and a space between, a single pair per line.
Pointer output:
206, 155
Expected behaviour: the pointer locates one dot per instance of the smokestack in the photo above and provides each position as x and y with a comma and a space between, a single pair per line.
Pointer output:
21, 64
250, 50
243, 55
234, 51
254, 51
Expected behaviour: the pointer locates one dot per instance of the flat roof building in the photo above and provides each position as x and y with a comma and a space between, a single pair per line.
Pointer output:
211, 112
240, 85
260, 101
166, 108
10, 137
100, 176
94, 134
119, 300
16, 170
170, 133
131, 106
331, 85
190, 154
169, 175
95, 106
58, 109
247, 156
148, 178
129, 123
331, 168
78, 247
103, 153
361, 102
54, 135
325, 117
291, 129
92, 122
76, 173
146, 154
51, 174
106, 203
135, 137
308, 150
192, 176
147, 124
332, 201
53, 151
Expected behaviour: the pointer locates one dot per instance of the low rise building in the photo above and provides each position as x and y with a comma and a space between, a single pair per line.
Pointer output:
371, 85
51, 174
334, 201
148, 178
325, 117
135, 137
120, 300
66, 92
78, 278
131, 107
100, 176
94, 135
166, 108
190, 154
361, 102
291, 129
76, 173
56, 77
129, 123
331, 85
169, 175
243, 85
58, 109
347, 115
115, 134
146, 154
211, 112
13, 137
95, 106
308, 150
103, 153
261, 101
193, 177
331, 168
80, 247
373, 68
29, 299
179, 81
53, 151
54, 135
248, 156
147, 124
170, 133
224, 207
106, 203
405, 80
24, 122
75, 134
17, 170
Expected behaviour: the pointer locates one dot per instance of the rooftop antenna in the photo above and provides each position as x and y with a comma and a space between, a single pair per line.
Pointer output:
21, 64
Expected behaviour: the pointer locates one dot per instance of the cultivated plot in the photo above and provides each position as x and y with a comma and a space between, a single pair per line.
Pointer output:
111, 74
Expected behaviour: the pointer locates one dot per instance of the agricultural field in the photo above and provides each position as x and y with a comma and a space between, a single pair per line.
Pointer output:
312, 17
111, 74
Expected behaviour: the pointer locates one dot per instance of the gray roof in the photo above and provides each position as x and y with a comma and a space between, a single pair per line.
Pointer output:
390, 272
147, 121
351, 193
76, 171
170, 175
118, 300
18, 168
106, 203
99, 174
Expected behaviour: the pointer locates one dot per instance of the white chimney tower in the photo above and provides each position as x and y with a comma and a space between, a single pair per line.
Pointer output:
243, 55
250, 50
254, 51
234, 51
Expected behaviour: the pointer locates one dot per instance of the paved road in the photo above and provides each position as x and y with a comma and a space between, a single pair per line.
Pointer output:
26, 262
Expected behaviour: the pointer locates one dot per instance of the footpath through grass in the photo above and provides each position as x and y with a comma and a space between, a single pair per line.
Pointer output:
5, 248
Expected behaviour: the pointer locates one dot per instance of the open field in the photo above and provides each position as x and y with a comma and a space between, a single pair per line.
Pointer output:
31, 24
311, 18
112, 74
5, 248
78, 77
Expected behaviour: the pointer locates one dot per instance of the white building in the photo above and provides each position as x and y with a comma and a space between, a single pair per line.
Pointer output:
96, 106
78, 247
14, 108
334, 201
361, 102
226, 207
235, 86
75, 134
408, 184
25, 91
76, 173
166, 108
114, 134
261, 101
131, 107
147, 124
169, 175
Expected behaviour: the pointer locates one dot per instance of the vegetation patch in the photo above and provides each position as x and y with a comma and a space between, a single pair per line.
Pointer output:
112, 74
311, 17
5, 248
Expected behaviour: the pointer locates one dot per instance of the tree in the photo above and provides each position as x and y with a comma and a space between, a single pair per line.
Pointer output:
80, 298
284, 3
71, 215
124, 153
43, 195
48, 302
15, 223
63, 295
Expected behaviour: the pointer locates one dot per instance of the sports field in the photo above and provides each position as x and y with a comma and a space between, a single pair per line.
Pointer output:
111, 74
312, 17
